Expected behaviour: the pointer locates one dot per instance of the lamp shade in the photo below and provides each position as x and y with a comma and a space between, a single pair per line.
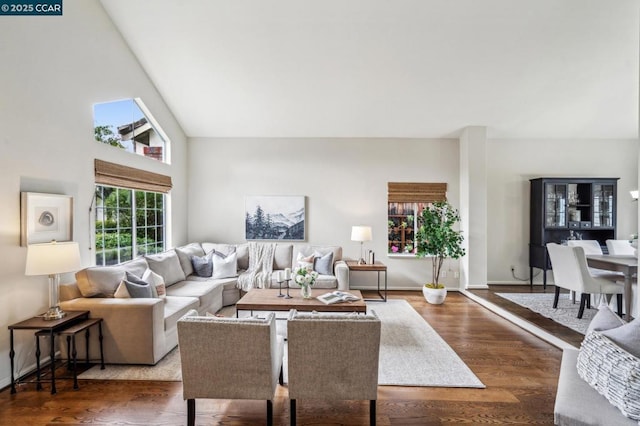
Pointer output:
361, 233
52, 258
634, 194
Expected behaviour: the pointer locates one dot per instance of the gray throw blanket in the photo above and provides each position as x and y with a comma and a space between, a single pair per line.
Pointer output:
260, 267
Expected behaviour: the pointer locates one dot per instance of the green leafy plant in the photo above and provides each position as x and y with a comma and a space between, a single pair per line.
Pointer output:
437, 237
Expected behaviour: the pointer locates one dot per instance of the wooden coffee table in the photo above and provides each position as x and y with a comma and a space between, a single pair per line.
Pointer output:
267, 299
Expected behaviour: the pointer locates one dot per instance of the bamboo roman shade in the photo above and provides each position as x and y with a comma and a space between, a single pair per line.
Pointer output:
113, 174
415, 192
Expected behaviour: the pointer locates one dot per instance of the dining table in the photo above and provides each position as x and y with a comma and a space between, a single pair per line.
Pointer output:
628, 265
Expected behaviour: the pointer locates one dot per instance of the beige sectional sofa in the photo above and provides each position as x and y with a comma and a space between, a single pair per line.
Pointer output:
143, 330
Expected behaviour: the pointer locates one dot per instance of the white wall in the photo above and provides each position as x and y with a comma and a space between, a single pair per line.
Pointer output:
511, 163
344, 180
53, 70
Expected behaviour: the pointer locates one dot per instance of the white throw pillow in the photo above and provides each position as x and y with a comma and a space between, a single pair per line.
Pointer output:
157, 281
226, 267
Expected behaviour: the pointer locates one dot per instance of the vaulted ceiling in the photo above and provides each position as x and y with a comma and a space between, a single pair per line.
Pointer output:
390, 68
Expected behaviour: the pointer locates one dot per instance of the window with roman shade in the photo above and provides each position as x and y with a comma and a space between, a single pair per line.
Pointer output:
406, 200
130, 212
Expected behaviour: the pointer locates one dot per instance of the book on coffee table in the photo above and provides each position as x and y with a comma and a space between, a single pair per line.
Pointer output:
337, 297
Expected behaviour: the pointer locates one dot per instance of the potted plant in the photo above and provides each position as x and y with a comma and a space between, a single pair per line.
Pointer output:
437, 238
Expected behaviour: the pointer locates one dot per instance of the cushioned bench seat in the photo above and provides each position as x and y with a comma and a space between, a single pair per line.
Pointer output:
577, 403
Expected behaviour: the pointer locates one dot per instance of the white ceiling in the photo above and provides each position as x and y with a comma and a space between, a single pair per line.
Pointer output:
390, 68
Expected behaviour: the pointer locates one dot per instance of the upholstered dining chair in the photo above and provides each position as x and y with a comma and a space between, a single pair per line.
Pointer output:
620, 247
570, 271
589, 246
333, 357
229, 358
594, 247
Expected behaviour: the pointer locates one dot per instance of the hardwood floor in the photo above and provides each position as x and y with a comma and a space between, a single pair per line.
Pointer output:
519, 370
568, 335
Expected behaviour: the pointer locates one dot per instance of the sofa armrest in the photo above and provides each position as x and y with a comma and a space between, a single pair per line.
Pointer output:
133, 329
341, 271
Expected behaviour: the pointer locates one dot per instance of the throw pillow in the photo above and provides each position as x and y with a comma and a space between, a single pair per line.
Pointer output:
167, 265
323, 264
626, 336
138, 290
605, 319
611, 371
184, 255
134, 279
156, 282
202, 265
304, 261
225, 267
122, 292
220, 254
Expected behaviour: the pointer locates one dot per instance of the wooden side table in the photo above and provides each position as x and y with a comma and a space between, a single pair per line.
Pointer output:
51, 327
72, 354
377, 267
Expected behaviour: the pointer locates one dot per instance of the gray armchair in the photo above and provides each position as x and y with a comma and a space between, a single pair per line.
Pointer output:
229, 358
333, 357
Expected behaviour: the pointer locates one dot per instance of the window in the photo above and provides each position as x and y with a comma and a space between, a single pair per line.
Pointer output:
406, 200
129, 223
127, 124
130, 212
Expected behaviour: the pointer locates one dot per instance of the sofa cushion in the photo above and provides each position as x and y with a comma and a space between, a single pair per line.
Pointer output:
204, 291
225, 267
175, 308
282, 256
243, 256
102, 281
611, 371
184, 255
323, 281
167, 265
202, 265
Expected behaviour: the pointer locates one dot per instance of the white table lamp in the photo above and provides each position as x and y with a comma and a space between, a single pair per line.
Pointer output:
362, 234
53, 259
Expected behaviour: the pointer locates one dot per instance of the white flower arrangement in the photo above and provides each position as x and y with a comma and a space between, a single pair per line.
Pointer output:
305, 277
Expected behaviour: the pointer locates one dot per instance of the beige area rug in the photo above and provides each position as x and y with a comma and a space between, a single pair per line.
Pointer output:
411, 354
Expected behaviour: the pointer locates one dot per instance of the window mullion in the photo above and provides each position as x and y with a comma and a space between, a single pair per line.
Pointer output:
134, 225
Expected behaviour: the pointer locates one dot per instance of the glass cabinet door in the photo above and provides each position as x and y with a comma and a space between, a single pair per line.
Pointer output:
555, 205
602, 206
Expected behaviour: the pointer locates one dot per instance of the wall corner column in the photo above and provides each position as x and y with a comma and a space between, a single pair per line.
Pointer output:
473, 206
